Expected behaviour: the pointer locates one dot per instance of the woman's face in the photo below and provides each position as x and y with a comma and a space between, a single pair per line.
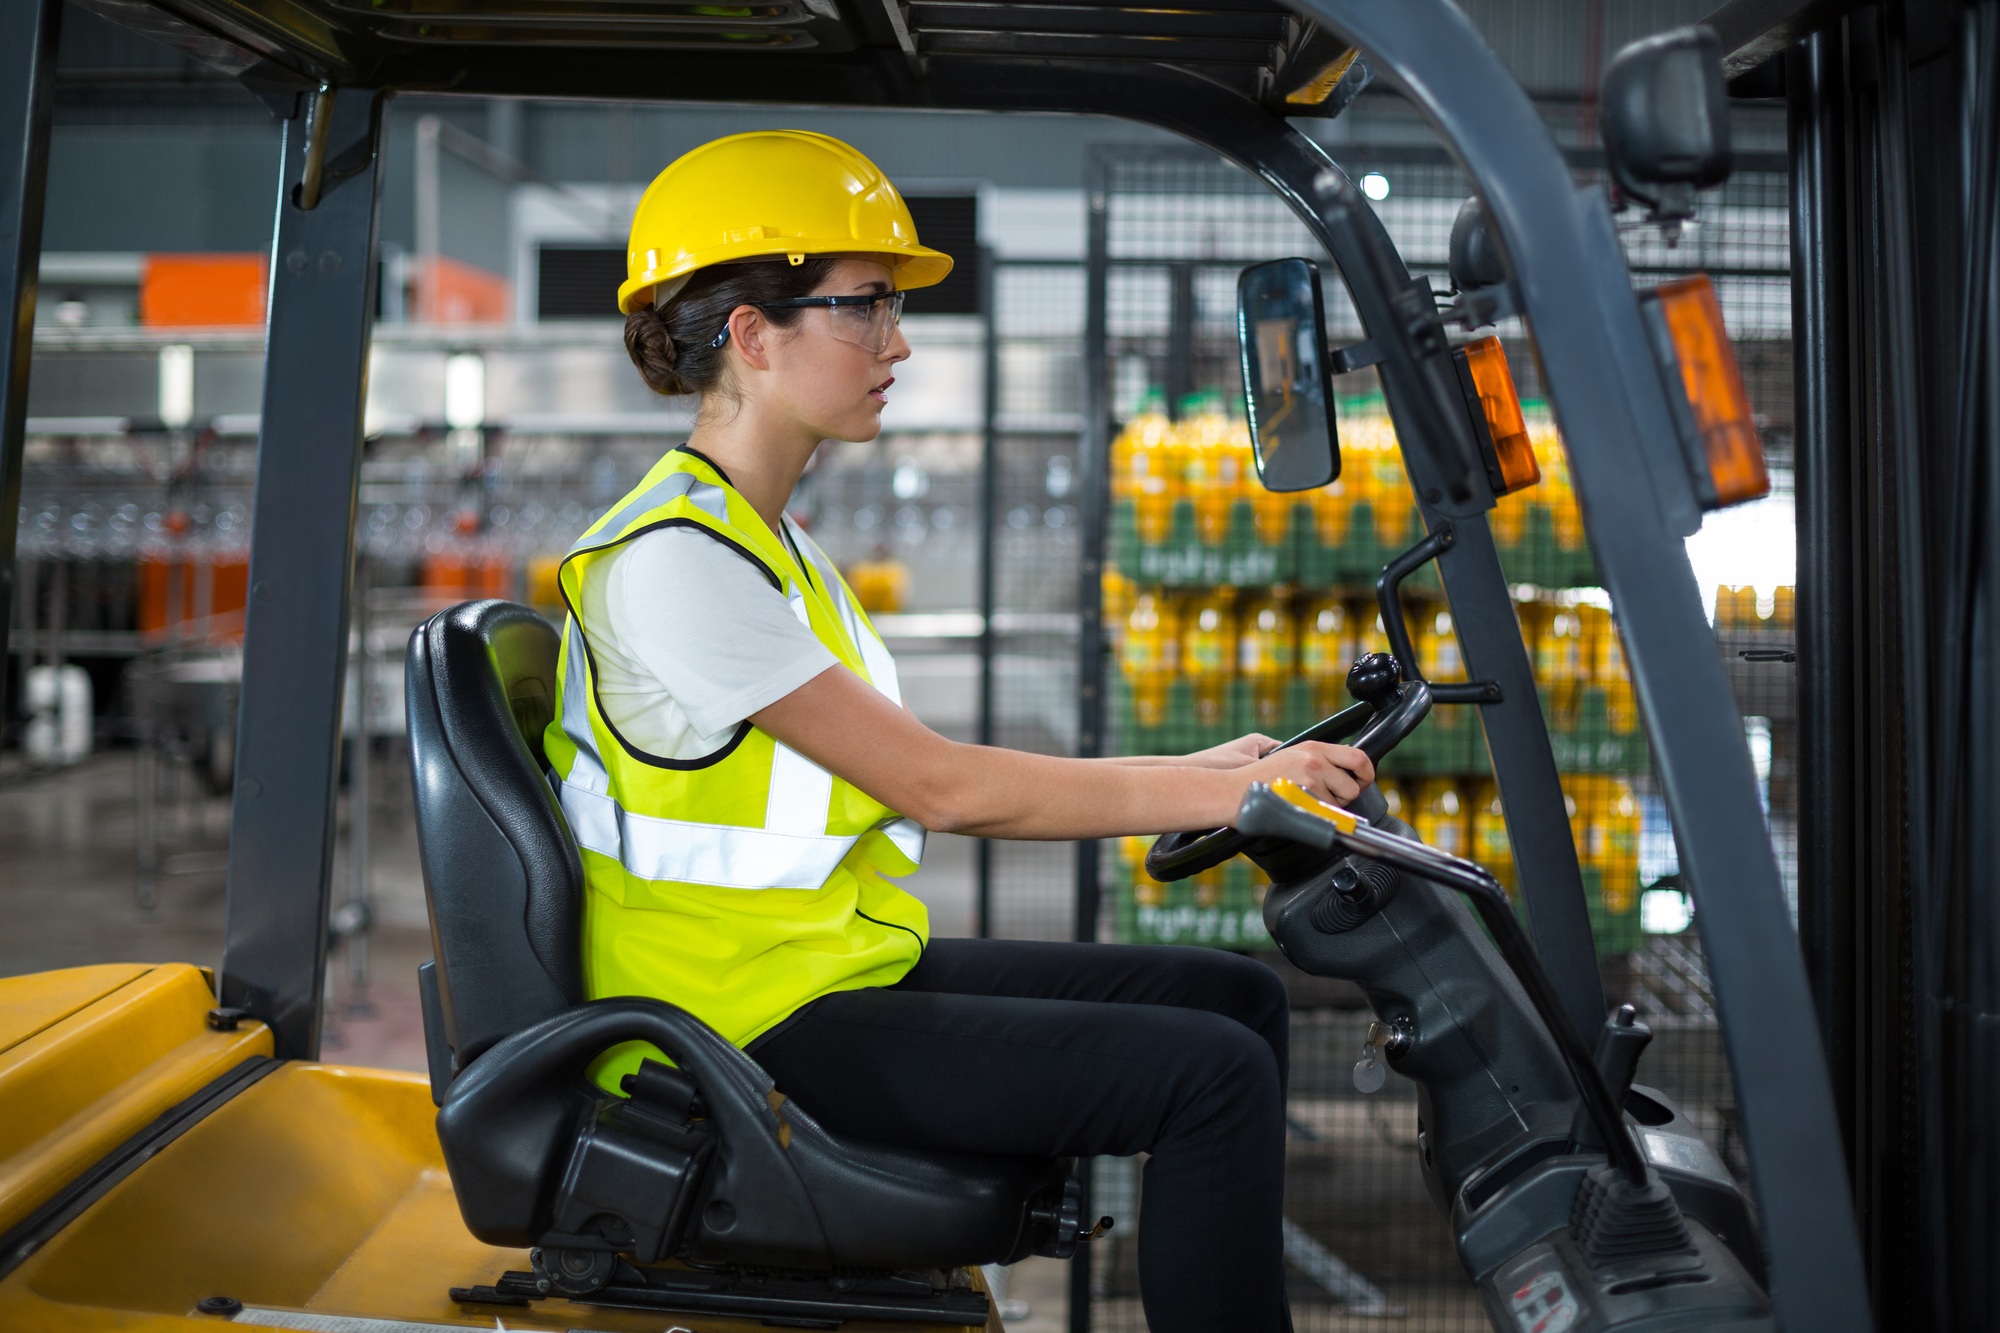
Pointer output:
825, 375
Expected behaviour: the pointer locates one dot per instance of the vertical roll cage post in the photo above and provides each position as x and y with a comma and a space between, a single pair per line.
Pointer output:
1576, 293
302, 564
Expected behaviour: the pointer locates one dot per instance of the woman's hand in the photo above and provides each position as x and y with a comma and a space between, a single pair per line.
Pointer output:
1231, 754
1335, 773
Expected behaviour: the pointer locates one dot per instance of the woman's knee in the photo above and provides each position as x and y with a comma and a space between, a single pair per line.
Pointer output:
1231, 1069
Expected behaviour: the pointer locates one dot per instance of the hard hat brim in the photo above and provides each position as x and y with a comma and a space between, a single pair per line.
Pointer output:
914, 265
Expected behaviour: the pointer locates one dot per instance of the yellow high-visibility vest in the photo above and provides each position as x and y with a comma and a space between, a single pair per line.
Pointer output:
746, 884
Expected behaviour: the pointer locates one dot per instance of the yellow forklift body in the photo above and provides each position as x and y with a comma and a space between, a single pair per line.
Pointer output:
316, 1190
91, 1056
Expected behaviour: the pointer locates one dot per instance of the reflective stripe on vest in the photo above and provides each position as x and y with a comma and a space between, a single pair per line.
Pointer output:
795, 847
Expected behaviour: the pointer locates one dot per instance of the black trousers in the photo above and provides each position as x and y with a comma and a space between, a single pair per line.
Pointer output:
1058, 1050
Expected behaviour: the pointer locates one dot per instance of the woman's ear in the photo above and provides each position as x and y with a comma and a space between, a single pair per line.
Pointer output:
749, 334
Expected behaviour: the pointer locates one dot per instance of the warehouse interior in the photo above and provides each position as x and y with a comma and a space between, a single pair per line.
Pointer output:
1148, 599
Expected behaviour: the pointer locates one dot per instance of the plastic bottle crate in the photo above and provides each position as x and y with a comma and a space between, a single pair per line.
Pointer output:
1183, 560
1357, 561
1540, 559
1178, 732
1185, 912
1584, 742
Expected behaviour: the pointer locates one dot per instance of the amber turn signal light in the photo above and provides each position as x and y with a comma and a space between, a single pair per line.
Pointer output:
1513, 459
1730, 455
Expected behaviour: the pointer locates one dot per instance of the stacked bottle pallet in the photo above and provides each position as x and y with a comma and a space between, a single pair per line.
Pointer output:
1234, 610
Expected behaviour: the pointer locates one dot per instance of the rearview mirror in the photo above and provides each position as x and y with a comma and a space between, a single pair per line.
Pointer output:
1287, 382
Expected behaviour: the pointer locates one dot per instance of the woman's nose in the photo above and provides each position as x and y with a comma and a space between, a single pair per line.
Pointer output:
898, 348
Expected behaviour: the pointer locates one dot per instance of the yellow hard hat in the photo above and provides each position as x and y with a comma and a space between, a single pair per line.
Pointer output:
770, 193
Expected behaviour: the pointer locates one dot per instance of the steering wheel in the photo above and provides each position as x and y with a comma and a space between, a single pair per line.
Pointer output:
1390, 710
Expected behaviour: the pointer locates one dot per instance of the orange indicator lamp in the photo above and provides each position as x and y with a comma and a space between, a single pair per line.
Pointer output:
1729, 453
1511, 464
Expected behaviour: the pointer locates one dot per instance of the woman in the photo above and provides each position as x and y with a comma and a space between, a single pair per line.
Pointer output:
747, 786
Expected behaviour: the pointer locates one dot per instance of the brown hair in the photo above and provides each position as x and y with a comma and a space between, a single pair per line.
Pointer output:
672, 344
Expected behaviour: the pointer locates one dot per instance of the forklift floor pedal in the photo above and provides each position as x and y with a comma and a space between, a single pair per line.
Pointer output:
483, 1295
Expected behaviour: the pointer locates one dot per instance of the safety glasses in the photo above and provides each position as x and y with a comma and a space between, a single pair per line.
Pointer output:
868, 321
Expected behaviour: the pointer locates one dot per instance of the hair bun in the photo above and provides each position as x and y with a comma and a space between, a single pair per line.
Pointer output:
653, 351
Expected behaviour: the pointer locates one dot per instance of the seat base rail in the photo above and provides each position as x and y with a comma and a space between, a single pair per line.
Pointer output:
800, 1302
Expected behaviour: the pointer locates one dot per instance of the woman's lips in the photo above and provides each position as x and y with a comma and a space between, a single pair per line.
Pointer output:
880, 393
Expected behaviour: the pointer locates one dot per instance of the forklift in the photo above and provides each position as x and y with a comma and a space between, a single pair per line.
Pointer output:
175, 1156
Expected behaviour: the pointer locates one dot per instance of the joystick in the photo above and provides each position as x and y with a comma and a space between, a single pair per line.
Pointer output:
1374, 679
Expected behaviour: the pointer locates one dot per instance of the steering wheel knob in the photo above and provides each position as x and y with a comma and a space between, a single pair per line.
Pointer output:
1374, 678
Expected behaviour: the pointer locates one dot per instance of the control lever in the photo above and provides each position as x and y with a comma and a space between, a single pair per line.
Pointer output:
1374, 679
1620, 1043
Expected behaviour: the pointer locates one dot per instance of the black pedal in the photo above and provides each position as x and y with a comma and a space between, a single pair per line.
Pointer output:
483, 1295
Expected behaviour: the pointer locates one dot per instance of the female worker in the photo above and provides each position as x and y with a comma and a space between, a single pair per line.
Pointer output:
746, 785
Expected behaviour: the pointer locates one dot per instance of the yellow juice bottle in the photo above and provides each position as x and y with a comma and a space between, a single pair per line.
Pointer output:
1437, 647
1220, 458
1326, 650
1149, 655
1266, 656
1490, 845
1618, 858
1117, 593
1606, 651
1440, 817
1208, 652
1144, 472
1333, 508
1390, 490
1565, 517
1560, 666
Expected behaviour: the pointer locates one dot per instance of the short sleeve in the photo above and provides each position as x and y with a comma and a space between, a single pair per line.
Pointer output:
707, 623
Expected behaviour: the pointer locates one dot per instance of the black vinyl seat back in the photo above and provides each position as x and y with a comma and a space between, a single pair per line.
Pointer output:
502, 876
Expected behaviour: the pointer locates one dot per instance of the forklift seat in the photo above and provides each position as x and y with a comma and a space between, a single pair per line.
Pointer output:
706, 1160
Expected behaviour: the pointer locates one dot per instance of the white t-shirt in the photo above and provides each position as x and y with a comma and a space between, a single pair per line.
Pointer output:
688, 638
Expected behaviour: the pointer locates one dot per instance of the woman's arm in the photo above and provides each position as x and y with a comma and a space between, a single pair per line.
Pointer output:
845, 725
1230, 754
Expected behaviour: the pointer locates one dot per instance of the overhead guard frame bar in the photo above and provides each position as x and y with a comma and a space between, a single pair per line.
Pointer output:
309, 444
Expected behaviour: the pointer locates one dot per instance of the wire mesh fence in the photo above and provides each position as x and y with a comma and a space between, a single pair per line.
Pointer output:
1228, 610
